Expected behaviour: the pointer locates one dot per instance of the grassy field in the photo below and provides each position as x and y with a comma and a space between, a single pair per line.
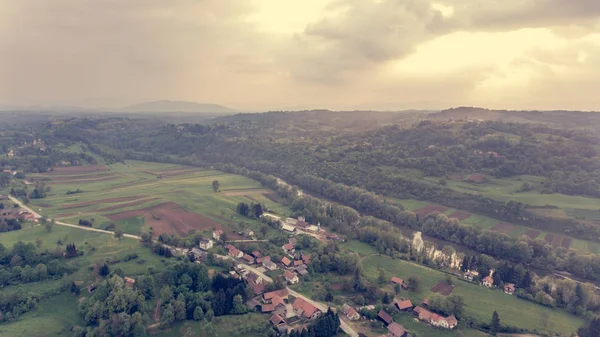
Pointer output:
138, 187
249, 325
480, 302
358, 247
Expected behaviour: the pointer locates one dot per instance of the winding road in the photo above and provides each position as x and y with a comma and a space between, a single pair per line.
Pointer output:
321, 306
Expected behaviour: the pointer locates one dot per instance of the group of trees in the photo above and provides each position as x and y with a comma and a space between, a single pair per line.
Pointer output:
451, 305
254, 210
327, 325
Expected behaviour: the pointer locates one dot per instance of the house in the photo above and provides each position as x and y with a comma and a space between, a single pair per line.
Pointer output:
303, 308
397, 280
256, 254
286, 262
253, 303
206, 244
282, 293
248, 258
385, 317
278, 323
291, 277
262, 259
405, 305
422, 313
487, 281
129, 281
288, 228
396, 330
256, 283
426, 302
288, 248
470, 275
298, 263
271, 217
350, 312
302, 270
509, 288
236, 253
306, 258
302, 224
248, 232
452, 322
252, 277
270, 265
443, 322
217, 234
290, 222
197, 254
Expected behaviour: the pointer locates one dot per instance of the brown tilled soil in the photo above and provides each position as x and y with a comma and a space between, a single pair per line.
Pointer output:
125, 205
236, 193
566, 242
424, 211
272, 196
43, 204
557, 242
77, 169
77, 177
460, 215
503, 227
532, 233
442, 288
549, 238
169, 218
102, 201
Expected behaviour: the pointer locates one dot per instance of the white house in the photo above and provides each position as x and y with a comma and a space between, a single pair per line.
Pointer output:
206, 244
291, 277
487, 281
288, 228
217, 234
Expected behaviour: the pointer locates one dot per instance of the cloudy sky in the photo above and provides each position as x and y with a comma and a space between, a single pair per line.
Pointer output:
274, 54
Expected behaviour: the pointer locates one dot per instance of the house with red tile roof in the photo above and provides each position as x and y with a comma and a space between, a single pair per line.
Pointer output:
306, 258
298, 263
350, 312
396, 330
288, 248
385, 317
487, 281
397, 280
248, 258
304, 309
509, 288
286, 262
291, 277
283, 293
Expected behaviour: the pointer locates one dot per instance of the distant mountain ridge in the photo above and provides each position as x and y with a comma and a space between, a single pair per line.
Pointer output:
178, 106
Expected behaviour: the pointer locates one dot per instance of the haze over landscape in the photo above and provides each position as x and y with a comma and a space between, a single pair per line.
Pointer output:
257, 55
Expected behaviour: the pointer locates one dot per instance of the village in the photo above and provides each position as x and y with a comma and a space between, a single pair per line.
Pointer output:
288, 311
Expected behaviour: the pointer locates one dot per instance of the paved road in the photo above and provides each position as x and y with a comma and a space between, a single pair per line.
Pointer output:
323, 307
343, 325
60, 223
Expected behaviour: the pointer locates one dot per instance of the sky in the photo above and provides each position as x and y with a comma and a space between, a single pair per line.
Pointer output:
299, 54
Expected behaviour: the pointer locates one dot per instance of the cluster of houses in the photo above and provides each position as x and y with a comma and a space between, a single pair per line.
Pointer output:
283, 311
292, 226
488, 282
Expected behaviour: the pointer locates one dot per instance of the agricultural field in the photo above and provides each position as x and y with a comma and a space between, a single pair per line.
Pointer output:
480, 302
137, 197
249, 325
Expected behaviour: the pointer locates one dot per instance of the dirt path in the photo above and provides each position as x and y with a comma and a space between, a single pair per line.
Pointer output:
156, 315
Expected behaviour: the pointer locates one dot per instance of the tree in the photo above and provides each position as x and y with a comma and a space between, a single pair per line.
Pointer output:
381, 278
258, 210
167, 316
495, 323
216, 185
591, 330
166, 294
198, 313
413, 283
179, 310
104, 270
49, 225
239, 307
210, 314
242, 208
118, 234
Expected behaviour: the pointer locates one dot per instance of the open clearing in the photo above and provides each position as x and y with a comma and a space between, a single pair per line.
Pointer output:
503, 227
480, 302
460, 215
166, 198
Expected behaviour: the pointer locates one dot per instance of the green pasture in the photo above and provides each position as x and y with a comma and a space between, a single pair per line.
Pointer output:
480, 302
248, 325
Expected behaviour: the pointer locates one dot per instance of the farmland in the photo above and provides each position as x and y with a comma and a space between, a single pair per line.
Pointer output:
480, 302
141, 196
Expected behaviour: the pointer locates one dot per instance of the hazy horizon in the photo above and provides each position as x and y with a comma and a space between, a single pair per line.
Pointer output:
264, 55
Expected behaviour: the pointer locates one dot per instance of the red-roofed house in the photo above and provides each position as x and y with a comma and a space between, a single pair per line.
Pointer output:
487, 281
283, 293
306, 258
256, 254
298, 263
422, 313
397, 280
291, 277
248, 258
350, 312
304, 309
452, 322
396, 330
286, 262
278, 323
405, 305
288, 248
217, 234
509, 288
234, 252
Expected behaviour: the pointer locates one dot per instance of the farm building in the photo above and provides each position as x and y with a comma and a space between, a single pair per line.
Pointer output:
288, 228
279, 323
396, 330
509, 288
350, 312
313, 228
248, 258
487, 281
206, 244
405, 305
271, 217
385, 317
290, 222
